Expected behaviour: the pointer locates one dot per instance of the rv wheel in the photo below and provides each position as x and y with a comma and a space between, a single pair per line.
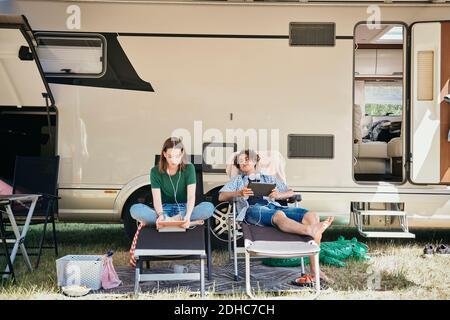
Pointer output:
219, 226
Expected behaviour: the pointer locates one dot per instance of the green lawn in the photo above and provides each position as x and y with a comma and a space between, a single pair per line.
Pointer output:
403, 272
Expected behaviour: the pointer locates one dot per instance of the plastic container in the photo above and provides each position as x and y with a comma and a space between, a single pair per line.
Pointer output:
80, 270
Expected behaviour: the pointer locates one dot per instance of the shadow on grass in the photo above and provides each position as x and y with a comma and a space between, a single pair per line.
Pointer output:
358, 275
80, 234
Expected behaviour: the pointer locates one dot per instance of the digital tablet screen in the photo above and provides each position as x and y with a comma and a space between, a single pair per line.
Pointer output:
261, 189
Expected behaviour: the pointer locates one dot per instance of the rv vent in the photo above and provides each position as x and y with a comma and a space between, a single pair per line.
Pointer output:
312, 34
310, 146
425, 75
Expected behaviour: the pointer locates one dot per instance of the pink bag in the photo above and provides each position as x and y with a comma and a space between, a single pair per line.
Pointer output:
109, 276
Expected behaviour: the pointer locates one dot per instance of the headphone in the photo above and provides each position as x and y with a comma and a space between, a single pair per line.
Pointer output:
255, 177
175, 190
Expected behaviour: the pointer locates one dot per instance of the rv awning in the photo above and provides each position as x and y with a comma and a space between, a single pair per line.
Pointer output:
22, 82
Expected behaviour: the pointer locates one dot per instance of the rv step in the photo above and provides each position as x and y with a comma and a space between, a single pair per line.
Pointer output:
387, 234
402, 217
381, 213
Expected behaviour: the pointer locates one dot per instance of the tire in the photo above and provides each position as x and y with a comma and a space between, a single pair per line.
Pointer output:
142, 195
219, 222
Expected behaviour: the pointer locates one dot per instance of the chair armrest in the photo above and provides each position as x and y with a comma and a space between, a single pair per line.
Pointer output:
235, 199
295, 198
49, 196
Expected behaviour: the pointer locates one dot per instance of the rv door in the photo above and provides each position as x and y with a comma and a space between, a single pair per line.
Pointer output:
22, 82
429, 111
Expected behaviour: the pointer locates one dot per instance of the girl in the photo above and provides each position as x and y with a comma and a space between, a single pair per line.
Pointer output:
173, 186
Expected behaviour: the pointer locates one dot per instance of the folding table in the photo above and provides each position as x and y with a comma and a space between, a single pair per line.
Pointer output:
19, 236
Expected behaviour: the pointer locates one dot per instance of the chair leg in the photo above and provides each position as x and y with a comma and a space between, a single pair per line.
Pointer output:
41, 242
229, 222
248, 286
202, 277
137, 276
208, 248
317, 273
234, 234
303, 265
55, 242
5, 245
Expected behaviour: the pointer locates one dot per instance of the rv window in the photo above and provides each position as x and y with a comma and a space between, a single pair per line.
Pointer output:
382, 98
215, 156
71, 55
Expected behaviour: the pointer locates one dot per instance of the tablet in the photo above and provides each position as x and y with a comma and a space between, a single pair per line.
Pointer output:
261, 189
170, 223
175, 221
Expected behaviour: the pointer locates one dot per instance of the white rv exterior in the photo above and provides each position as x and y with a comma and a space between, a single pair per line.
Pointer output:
228, 65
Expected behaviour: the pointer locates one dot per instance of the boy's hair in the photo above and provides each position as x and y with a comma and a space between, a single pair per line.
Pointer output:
251, 155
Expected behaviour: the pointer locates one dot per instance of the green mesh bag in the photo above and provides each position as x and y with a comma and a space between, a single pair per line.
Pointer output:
282, 262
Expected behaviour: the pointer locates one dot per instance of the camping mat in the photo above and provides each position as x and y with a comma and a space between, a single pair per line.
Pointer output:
263, 279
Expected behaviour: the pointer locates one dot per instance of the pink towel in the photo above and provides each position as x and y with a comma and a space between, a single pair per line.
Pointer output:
109, 276
134, 243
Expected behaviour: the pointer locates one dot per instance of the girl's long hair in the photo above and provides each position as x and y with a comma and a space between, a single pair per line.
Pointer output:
172, 143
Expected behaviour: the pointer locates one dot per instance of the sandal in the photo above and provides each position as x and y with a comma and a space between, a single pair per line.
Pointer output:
305, 280
442, 249
428, 251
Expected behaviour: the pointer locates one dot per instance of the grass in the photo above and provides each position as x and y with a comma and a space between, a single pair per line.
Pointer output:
396, 269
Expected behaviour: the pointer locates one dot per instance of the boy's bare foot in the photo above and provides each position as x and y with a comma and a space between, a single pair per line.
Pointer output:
319, 228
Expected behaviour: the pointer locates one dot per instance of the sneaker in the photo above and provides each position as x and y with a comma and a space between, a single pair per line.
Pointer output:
428, 251
442, 249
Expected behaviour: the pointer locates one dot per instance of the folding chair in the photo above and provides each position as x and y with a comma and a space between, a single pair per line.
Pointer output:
38, 175
151, 245
264, 242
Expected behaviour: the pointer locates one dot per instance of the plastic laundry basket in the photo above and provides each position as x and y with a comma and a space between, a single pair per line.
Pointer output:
85, 270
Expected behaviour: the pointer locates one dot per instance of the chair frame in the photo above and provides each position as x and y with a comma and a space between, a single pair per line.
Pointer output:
49, 217
142, 255
148, 255
234, 250
248, 253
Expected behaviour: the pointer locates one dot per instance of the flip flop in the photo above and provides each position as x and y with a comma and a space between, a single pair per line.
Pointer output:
305, 280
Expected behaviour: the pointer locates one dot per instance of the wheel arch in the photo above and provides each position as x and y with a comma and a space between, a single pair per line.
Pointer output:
128, 190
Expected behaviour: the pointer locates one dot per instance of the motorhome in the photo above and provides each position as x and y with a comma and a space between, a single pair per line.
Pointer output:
351, 93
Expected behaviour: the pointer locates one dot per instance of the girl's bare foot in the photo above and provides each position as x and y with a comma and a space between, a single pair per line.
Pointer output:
196, 223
